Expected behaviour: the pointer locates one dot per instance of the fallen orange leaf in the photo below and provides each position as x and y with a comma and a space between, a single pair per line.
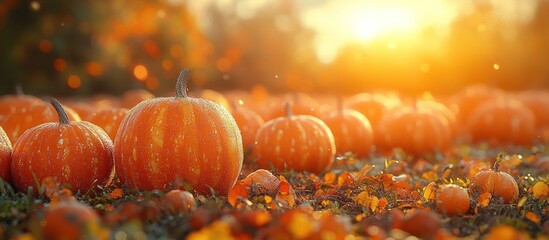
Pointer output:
116, 193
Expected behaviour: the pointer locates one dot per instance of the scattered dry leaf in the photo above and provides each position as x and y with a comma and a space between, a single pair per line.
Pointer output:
116, 194
533, 217
429, 192
484, 199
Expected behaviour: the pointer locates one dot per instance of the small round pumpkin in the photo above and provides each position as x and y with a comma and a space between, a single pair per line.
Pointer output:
422, 223
505, 121
69, 220
352, 131
537, 101
21, 119
302, 104
248, 122
298, 142
83, 109
499, 184
470, 98
133, 97
10, 103
417, 130
263, 178
170, 139
452, 200
5, 156
372, 106
75, 152
212, 95
178, 201
108, 119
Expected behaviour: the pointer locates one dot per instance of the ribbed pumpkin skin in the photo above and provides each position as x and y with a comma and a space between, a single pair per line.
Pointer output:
10, 103
5, 156
302, 143
178, 138
417, 131
108, 119
248, 122
352, 131
499, 184
78, 153
452, 200
21, 119
504, 121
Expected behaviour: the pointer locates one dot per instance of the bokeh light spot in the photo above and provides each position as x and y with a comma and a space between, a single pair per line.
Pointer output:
94, 69
167, 64
74, 82
152, 83
140, 72
45, 46
35, 5
224, 64
60, 64
176, 51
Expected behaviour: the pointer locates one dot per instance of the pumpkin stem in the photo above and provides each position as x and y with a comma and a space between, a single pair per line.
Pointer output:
499, 159
181, 84
63, 117
288, 107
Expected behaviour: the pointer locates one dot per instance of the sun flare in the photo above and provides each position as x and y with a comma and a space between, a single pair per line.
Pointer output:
367, 22
338, 23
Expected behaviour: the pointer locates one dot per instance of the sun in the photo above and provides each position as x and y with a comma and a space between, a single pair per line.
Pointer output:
337, 23
367, 22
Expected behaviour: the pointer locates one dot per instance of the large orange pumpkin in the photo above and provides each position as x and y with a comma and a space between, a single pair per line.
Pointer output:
5, 156
352, 131
21, 119
78, 153
298, 142
179, 138
504, 121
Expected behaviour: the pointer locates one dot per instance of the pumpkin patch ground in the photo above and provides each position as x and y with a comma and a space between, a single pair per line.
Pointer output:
417, 172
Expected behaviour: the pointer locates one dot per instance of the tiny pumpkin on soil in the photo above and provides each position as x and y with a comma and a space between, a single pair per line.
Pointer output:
499, 184
452, 200
69, 220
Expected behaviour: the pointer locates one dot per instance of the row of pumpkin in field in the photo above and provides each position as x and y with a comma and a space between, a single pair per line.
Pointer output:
166, 140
